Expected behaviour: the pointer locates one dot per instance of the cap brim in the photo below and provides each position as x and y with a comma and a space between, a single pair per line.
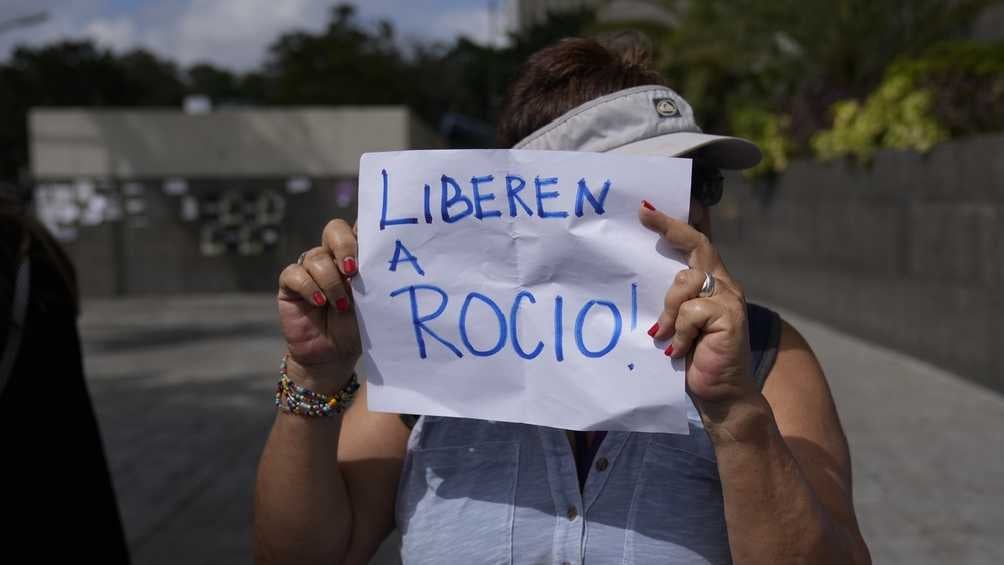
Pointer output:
720, 151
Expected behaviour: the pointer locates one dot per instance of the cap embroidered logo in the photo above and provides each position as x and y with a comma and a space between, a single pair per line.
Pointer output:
666, 108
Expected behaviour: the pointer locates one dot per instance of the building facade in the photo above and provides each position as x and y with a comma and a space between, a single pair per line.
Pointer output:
163, 201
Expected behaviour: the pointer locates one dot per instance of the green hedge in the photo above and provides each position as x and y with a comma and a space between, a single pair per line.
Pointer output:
954, 89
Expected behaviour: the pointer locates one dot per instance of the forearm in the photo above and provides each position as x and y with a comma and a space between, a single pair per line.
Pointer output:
302, 509
772, 513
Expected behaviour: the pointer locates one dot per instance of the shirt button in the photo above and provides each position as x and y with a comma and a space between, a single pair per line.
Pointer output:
573, 512
602, 464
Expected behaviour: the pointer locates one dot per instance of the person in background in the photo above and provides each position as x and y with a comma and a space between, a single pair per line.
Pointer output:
763, 478
58, 504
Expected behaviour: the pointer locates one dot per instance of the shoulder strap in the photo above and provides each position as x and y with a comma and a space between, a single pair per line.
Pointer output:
764, 326
409, 420
18, 311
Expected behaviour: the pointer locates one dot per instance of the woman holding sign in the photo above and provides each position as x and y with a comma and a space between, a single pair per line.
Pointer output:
763, 476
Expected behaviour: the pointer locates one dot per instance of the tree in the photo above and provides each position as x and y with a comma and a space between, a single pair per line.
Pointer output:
351, 63
461, 83
344, 64
800, 55
75, 73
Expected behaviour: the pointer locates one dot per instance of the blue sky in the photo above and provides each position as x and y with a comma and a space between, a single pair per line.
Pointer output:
235, 33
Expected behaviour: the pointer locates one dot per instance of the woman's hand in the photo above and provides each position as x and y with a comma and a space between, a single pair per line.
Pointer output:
710, 331
315, 312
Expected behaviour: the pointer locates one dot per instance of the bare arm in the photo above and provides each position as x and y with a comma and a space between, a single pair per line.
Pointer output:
326, 486
782, 457
785, 469
321, 500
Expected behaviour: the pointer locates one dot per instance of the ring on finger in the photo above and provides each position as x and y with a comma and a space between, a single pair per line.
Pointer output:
708, 288
299, 260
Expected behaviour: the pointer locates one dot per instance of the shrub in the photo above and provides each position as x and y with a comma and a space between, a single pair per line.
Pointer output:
954, 89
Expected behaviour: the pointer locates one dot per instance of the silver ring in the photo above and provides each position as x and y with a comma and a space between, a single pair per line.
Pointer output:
708, 288
299, 260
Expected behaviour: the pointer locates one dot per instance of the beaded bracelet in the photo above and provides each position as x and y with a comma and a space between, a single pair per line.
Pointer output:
295, 399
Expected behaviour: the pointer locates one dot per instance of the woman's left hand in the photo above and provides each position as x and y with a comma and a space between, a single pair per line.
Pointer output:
710, 331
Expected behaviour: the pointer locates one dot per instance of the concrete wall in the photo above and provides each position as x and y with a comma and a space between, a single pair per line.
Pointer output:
908, 252
241, 143
161, 252
107, 184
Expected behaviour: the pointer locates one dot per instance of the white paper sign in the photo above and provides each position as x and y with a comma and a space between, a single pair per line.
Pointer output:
519, 286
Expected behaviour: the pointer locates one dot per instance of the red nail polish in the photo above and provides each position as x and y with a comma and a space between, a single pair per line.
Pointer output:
653, 330
319, 298
669, 350
342, 304
349, 265
648, 205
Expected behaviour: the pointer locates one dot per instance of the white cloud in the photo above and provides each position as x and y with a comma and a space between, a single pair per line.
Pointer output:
62, 22
116, 33
237, 32
479, 23
233, 33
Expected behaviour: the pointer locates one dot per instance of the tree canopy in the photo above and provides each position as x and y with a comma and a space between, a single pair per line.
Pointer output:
773, 71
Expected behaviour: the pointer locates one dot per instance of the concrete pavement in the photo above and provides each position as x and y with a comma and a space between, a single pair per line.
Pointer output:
183, 391
927, 449
183, 388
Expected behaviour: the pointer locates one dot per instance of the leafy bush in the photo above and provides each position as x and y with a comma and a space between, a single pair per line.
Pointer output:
967, 80
953, 89
770, 132
897, 114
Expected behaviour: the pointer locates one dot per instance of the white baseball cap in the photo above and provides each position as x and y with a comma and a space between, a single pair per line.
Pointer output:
645, 120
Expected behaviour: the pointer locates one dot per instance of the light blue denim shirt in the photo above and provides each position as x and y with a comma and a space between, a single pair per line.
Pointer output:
475, 491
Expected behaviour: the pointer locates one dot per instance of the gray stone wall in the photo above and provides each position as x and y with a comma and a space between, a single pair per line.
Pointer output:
157, 248
907, 251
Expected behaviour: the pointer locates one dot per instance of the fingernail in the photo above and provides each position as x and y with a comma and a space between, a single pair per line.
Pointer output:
342, 304
349, 265
669, 350
319, 298
648, 205
653, 330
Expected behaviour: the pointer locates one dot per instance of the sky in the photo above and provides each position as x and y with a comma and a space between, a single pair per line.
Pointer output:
236, 33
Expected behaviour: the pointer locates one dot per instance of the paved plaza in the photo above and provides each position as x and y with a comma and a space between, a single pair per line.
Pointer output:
183, 390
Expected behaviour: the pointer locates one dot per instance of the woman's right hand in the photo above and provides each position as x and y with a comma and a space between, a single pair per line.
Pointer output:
316, 313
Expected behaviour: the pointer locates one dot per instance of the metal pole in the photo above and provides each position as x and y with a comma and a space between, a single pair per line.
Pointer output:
23, 21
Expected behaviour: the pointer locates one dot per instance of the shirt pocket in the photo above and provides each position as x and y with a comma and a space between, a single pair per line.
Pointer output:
457, 504
677, 514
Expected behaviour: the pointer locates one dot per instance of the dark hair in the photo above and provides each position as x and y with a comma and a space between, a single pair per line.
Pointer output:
570, 73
